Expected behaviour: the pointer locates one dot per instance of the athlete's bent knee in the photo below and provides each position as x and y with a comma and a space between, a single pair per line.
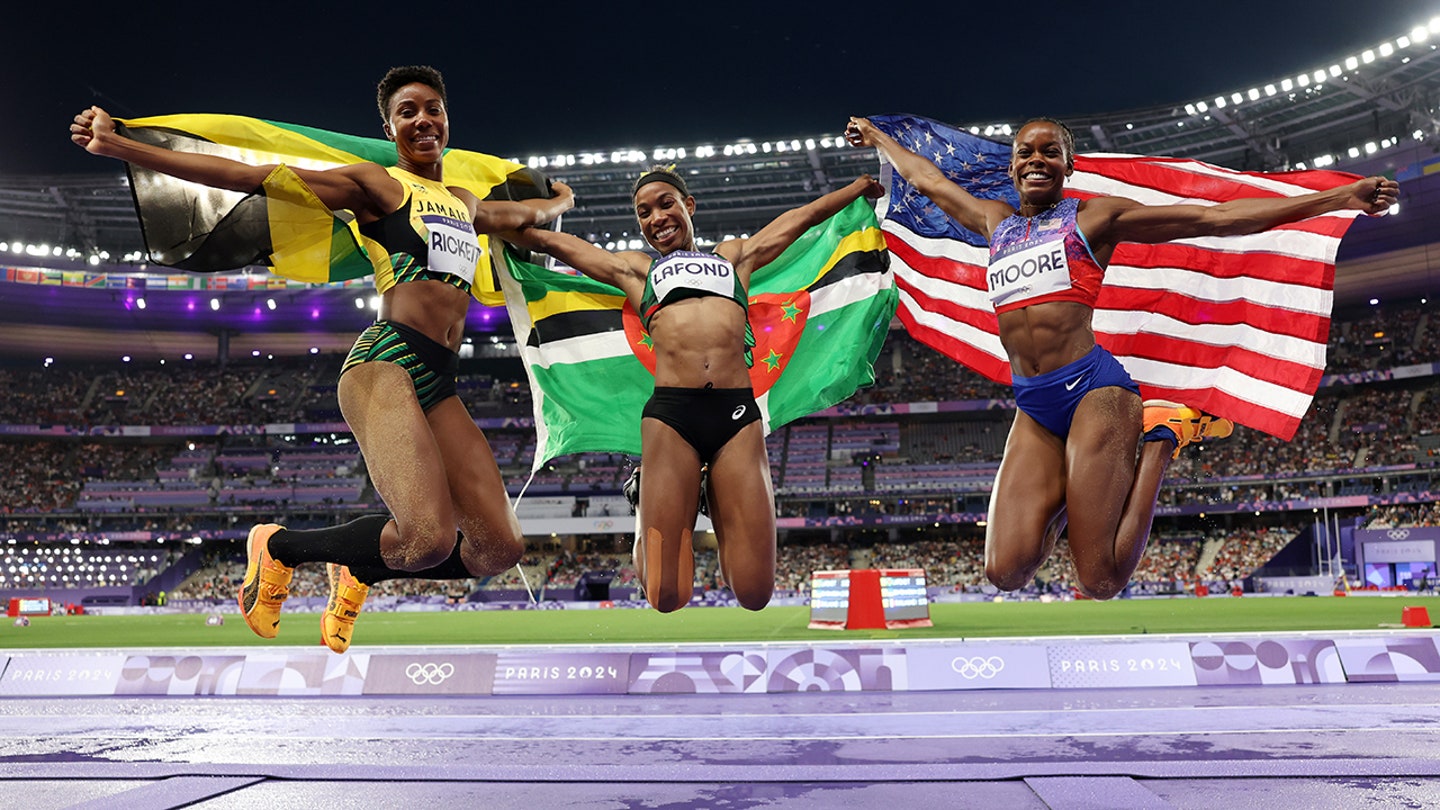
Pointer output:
1008, 578
753, 596
1101, 588
422, 545
667, 600
488, 553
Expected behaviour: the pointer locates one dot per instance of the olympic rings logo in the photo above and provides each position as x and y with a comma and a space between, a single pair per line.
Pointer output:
1398, 534
433, 674
978, 667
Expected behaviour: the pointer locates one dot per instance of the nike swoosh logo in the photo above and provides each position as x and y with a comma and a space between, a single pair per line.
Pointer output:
739, 412
1070, 386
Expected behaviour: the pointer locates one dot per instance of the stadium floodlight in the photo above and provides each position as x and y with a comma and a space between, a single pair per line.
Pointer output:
270, 304
1370, 148
1202, 106
1420, 34
214, 304
1318, 76
1269, 89
1286, 85
1386, 49
1353, 152
1351, 63
1253, 94
139, 303
1236, 98
375, 302
1367, 56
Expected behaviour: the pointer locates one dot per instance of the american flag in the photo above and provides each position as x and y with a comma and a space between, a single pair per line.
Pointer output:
1235, 326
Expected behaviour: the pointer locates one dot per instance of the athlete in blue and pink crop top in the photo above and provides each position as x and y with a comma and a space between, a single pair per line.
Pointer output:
1044, 258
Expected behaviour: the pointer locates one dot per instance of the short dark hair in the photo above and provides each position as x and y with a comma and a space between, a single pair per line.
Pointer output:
398, 77
660, 174
1067, 137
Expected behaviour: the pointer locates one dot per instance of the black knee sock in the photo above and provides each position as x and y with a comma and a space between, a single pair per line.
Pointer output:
356, 544
452, 568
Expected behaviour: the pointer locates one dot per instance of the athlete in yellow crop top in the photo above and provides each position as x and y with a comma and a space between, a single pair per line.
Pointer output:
703, 411
426, 458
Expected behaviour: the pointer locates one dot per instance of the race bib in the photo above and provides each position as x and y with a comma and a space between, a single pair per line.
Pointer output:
1029, 272
683, 269
453, 247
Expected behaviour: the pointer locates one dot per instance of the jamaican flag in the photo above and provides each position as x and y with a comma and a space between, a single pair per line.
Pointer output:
282, 224
820, 313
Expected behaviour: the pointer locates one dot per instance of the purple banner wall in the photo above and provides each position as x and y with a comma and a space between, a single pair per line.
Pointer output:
961, 665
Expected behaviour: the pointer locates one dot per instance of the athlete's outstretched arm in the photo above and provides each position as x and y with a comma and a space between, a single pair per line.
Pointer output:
625, 269
363, 187
770, 241
1125, 220
980, 216
506, 215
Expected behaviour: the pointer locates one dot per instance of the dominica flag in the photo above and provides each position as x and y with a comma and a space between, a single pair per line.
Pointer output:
820, 313
282, 224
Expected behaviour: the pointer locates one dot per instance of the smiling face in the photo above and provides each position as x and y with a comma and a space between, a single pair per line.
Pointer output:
1040, 160
418, 124
664, 216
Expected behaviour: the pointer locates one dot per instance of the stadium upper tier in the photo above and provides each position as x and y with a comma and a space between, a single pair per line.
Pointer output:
1335, 113
1373, 111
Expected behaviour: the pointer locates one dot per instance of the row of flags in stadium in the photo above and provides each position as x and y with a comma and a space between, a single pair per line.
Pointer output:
1236, 326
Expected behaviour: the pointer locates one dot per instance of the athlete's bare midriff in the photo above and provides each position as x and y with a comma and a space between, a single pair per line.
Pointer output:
708, 345
1044, 337
434, 308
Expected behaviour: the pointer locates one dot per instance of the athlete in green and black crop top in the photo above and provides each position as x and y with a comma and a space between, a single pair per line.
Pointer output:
703, 413
688, 274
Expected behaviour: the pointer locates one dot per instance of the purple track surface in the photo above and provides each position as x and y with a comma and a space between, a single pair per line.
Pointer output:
1312, 746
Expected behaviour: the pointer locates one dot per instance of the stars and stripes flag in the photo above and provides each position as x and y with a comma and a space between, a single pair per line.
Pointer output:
1235, 326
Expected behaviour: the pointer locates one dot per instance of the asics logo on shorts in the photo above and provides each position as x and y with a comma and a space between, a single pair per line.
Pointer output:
737, 413
433, 674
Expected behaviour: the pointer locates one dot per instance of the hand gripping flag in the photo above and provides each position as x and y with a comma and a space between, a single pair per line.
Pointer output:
820, 313
282, 224
1235, 326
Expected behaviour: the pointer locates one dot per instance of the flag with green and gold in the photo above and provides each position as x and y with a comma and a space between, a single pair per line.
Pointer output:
820, 313
282, 224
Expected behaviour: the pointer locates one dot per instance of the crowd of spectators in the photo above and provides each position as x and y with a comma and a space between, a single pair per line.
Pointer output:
1350, 430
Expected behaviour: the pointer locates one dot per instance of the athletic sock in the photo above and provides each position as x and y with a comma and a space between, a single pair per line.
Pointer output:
452, 568
356, 544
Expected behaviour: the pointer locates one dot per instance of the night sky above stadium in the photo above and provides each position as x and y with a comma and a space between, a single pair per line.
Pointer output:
552, 79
